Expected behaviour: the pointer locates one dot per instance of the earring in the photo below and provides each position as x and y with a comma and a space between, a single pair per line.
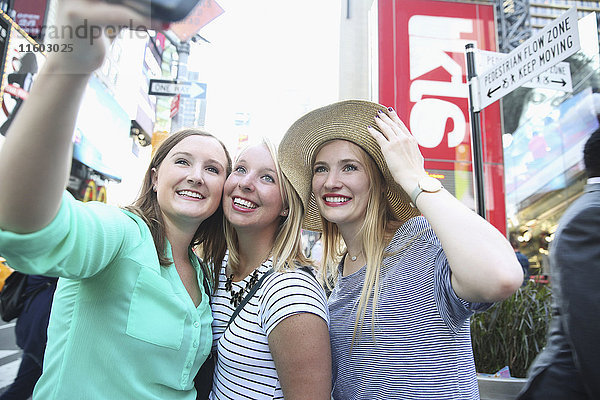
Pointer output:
154, 188
285, 212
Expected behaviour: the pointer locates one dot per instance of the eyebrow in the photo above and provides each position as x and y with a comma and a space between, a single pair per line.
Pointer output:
208, 161
344, 161
242, 161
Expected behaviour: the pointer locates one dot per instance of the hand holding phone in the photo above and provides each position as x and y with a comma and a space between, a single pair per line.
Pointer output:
163, 10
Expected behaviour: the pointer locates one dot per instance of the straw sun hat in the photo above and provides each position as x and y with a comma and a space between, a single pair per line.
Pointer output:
346, 120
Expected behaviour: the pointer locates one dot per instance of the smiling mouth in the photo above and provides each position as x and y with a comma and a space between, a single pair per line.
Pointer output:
243, 204
334, 200
189, 193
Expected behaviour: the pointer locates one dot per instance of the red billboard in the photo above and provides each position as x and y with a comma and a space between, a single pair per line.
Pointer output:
201, 15
422, 74
31, 15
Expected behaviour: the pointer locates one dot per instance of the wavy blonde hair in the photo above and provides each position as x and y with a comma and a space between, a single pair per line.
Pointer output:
286, 251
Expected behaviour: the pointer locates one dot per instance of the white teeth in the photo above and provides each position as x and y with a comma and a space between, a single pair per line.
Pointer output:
243, 203
336, 199
189, 193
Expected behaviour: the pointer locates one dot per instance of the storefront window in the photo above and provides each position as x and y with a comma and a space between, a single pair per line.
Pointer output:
543, 157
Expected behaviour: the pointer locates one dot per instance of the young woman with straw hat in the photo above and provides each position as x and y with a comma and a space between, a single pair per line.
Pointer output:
278, 345
408, 282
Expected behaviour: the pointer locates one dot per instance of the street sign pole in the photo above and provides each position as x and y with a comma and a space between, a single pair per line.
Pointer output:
555, 42
476, 143
183, 50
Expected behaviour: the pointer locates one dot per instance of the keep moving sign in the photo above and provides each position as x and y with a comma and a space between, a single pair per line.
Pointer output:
555, 42
557, 77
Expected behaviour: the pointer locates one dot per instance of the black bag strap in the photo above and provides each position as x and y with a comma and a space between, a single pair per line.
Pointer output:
309, 271
257, 286
205, 276
249, 296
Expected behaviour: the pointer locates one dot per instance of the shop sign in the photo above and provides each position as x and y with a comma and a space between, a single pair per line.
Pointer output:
30, 16
16, 91
422, 73
21, 66
422, 68
201, 15
93, 192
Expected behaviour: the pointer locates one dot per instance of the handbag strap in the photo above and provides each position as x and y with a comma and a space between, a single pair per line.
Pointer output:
205, 276
249, 296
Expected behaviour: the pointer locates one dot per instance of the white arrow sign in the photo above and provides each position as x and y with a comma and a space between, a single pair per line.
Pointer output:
196, 90
557, 77
555, 42
191, 89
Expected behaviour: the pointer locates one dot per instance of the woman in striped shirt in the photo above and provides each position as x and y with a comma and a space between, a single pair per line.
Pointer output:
278, 345
405, 284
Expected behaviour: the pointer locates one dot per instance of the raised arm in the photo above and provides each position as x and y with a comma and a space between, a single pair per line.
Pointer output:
484, 266
36, 156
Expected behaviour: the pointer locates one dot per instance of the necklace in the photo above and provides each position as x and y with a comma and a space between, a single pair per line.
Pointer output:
236, 297
353, 258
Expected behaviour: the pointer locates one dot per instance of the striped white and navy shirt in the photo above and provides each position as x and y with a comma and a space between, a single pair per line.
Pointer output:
245, 367
421, 348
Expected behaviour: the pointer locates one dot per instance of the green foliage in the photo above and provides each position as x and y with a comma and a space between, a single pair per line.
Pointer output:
512, 332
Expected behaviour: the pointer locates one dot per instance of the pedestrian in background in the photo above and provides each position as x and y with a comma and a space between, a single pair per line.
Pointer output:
31, 334
521, 258
278, 344
568, 368
130, 318
405, 285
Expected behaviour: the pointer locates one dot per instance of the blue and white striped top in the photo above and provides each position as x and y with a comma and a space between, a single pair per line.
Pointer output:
421, 348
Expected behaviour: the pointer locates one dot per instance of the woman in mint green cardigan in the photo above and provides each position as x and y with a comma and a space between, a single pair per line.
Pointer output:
130, 318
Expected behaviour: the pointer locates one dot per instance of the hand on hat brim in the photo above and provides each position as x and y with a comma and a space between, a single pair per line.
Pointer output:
400, 149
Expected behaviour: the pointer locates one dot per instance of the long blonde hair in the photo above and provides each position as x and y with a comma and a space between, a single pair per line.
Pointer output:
287, 251
376, 231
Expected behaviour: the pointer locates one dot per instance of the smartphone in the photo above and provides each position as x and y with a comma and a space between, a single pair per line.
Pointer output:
163, 10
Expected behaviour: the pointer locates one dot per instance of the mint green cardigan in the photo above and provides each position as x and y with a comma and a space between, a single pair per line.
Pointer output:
122, 326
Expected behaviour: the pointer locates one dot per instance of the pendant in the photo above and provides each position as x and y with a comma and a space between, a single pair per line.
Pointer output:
353, 258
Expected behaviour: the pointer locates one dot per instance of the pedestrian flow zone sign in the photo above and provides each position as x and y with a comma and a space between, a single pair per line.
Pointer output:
555, 42
557, 77
190, 89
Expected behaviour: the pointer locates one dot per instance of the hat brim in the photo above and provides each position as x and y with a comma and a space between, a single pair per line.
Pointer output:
345, 120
